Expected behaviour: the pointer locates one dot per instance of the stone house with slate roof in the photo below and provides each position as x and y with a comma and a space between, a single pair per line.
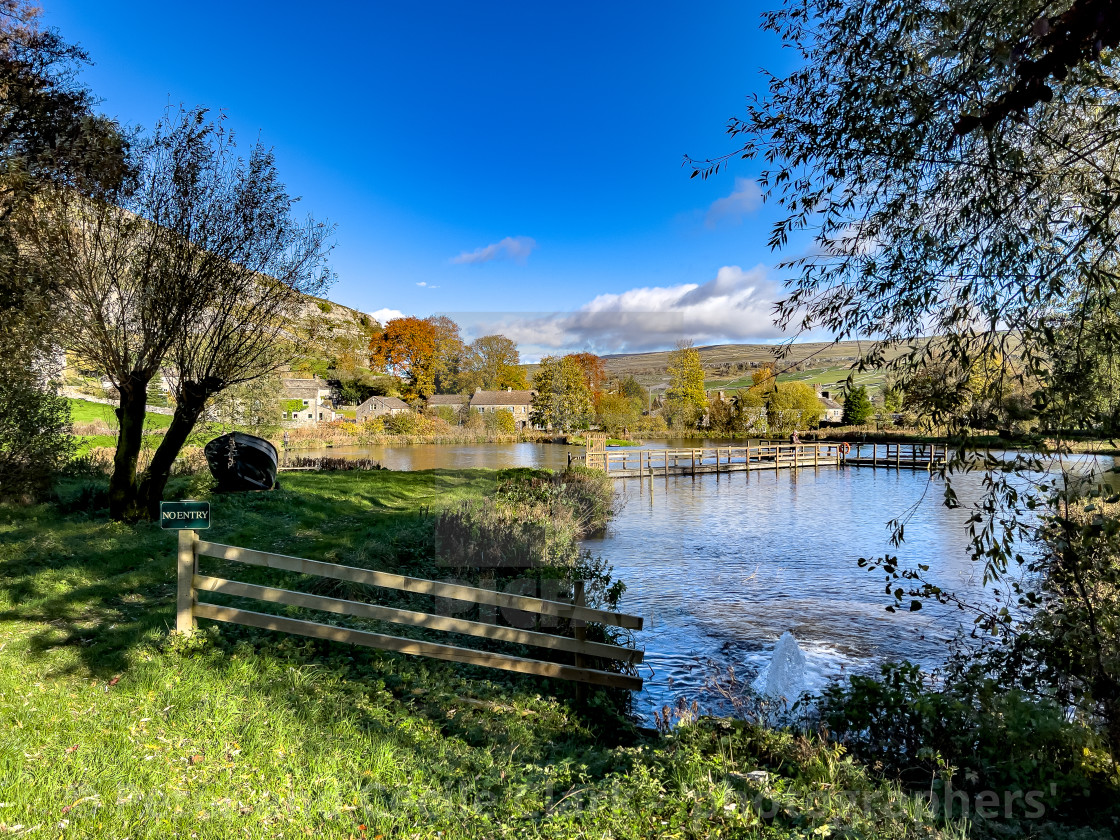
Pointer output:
381, 407
316, 396
833, 411
517, 403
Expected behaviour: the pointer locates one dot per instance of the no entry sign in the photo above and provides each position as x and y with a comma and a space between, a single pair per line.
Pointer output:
184, 516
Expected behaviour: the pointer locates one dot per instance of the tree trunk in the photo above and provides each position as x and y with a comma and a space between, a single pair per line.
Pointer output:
123, 499
191, 402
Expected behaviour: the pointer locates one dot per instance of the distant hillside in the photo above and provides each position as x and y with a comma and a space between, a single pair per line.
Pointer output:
331, 331
730, 365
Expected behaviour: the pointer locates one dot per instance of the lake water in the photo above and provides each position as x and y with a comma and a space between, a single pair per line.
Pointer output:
721, 565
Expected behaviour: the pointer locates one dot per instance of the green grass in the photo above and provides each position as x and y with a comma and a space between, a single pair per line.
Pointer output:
832, 376
111, 728
84, 411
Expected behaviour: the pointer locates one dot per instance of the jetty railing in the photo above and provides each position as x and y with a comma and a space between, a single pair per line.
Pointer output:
190, 608
764, 455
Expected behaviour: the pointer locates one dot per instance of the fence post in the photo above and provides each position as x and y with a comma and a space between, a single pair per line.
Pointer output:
580, 632
184, 600
898, 456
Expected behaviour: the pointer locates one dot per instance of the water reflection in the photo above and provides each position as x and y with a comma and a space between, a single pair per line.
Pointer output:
722, 565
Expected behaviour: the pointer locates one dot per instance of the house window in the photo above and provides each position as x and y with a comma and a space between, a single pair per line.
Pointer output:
310, 416
305, 402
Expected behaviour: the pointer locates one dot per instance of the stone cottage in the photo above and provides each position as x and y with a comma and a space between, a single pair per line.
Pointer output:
517, 403
381, 407
314, 393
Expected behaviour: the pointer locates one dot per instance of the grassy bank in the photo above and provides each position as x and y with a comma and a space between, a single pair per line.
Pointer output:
95, 425
111, 727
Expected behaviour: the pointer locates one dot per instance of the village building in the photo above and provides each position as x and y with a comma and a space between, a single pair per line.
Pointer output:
381, 407
315, 395
456, 402
833, 411
517, 403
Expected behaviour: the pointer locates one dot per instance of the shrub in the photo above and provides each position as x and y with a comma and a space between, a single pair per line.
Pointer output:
978, 737
405, 423
501, 422
34, 434
447, 414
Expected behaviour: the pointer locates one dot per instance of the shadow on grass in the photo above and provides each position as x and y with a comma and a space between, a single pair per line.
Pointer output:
102, 590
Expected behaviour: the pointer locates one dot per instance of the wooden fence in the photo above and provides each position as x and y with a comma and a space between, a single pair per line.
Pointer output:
765, 455
190, 608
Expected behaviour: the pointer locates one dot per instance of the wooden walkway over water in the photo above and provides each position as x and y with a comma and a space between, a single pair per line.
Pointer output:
766, 455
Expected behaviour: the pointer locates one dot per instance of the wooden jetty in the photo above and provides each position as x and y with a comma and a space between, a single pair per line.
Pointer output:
765, 455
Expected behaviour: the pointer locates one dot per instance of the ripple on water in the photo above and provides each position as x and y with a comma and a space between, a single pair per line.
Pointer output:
721, 566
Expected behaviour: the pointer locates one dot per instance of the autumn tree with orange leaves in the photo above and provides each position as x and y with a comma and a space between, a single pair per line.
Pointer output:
594, 370
421, 351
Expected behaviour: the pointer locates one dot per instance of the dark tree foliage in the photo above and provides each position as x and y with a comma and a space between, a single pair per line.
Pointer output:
857, 406
48, 128
49, 134
981, 238
1057, 44
34, 434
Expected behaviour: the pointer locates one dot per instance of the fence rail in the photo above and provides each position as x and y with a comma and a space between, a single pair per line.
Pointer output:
190, 608
766, 455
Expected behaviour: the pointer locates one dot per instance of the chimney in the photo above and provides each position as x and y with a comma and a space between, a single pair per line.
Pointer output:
509, 390
478, 390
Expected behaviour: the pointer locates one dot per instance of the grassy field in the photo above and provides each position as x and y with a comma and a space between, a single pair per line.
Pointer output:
110, 727
830, 379
84, 413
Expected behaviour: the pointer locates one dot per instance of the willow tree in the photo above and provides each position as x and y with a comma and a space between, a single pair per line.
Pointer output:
952, 168
121, 306
253, 264
168, 270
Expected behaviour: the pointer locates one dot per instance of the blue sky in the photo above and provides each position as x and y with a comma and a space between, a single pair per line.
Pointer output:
517, 166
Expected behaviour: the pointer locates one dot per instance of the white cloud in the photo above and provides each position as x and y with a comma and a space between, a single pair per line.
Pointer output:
735, 305
382, 316
421, 283
745, 198
516, 248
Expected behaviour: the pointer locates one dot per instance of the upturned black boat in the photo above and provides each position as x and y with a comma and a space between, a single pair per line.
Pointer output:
240, 461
